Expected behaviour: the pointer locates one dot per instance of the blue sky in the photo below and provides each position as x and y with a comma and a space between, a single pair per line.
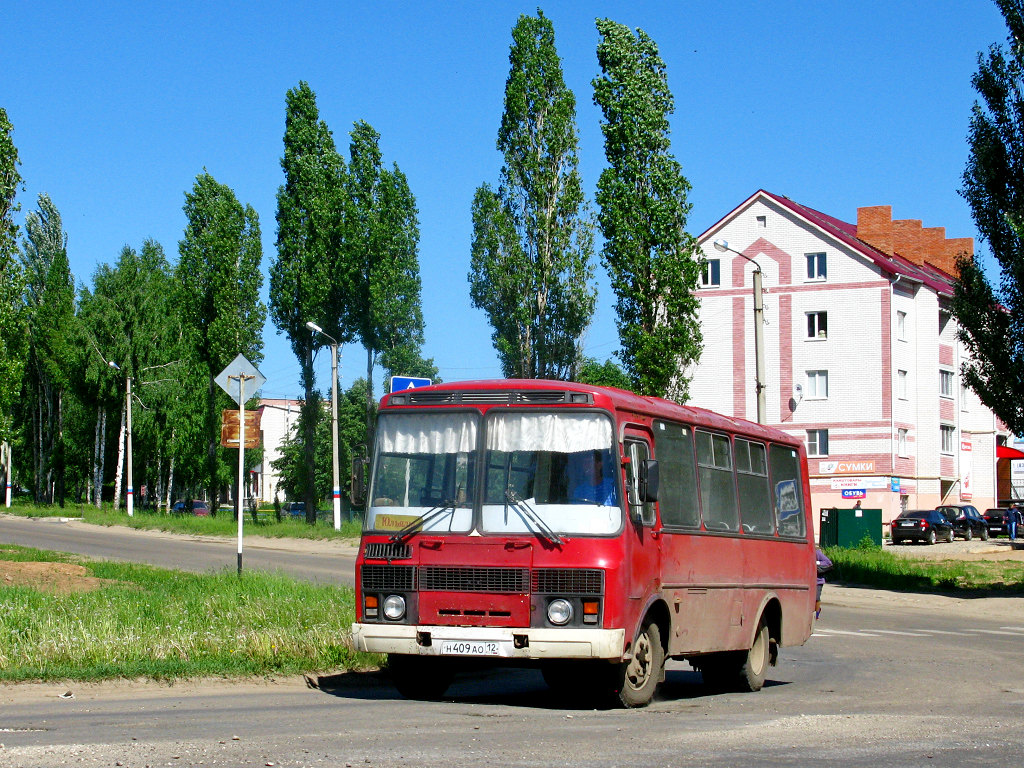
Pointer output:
117, 107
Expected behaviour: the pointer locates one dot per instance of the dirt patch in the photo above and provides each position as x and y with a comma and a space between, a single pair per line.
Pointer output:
58, 578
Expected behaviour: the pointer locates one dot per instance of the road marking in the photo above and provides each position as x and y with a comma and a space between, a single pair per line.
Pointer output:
861, 633
1016, 629
897, 632
964, 633
995, 632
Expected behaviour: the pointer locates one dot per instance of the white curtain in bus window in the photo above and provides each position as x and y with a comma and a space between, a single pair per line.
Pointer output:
433, 433
717, 489
788, 496
673, 447
752, 481
557, 432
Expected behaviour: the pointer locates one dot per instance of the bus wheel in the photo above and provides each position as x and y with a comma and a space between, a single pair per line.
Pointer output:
755, 665
419, 677
638, 678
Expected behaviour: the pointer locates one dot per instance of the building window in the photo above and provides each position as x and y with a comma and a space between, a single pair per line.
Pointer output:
946, 383
902, 388
963, 396
901, 326
817, 385
762, 222
901, 442
817, 325
817, 442
711, 273
815, 266
948, 438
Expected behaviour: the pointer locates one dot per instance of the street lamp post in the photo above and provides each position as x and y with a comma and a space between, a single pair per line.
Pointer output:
130, 491
723, 246
336, 491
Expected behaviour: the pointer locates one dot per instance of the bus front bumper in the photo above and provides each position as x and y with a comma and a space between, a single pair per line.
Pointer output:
493, 642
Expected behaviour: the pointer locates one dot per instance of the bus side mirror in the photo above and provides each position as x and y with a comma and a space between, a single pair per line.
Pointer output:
357, 488
649, 480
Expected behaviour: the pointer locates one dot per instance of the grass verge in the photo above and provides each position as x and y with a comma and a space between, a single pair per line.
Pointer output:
160, 624
223, 524
870, 566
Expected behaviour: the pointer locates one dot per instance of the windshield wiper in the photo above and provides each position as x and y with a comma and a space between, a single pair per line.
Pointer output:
527, 512
427, 517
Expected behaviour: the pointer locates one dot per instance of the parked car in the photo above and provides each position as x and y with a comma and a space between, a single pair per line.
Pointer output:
967, 521
296, 509
196, 507
927, 525
995, 519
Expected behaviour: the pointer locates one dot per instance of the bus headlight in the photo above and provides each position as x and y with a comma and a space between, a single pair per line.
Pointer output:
394, 607
559, 612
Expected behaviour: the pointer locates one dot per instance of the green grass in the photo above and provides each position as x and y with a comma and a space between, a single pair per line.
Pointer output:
156, 623
223, 524
874, 567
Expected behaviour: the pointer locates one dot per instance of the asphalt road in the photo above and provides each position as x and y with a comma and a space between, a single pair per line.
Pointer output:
329, 562
887, 679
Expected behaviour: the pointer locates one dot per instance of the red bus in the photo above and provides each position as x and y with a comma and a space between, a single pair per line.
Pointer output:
583, 529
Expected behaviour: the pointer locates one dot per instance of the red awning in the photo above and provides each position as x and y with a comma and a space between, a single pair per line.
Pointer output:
1006, 452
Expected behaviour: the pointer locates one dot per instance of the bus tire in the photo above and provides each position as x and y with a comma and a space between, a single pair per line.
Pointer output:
755, 665
637, 679
420, 678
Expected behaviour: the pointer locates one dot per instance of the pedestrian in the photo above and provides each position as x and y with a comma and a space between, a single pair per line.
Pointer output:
1013, 519
824, 565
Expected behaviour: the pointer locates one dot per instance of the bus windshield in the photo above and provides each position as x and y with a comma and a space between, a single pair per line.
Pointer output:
550, 470
543, 474
423, 472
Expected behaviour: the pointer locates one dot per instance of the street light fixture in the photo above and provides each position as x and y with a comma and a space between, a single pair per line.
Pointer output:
336, 491
130, 491
723, 246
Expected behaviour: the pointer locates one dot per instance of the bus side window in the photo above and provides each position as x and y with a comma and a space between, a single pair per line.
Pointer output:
637, 452
787, 485
678, 499
717, 486
752, 481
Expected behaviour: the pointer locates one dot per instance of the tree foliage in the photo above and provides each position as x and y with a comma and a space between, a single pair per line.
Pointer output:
380, 266
13, 347
304, 284
991, 319
219, 280
50, 306
642, 213
531, 269
606, 374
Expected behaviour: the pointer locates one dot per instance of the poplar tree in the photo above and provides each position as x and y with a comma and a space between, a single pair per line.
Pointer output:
13, 346
304, 285
531, 267
380, 266
219, 280
651, 259
991, 318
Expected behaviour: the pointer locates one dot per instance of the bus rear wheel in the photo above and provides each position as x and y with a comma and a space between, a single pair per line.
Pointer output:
422, 678
739, 670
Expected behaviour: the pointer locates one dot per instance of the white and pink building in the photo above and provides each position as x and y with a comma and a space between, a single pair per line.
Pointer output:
862, 359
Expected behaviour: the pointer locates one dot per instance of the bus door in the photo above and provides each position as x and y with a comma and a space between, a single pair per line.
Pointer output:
642, 550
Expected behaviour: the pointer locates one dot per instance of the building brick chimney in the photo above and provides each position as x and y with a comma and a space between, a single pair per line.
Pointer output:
909, 239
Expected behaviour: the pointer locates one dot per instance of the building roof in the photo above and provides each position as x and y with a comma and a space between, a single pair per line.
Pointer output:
893, 264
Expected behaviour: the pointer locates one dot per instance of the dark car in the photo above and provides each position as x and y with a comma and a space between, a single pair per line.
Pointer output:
995, 519
196, 507
967, 521
927, 525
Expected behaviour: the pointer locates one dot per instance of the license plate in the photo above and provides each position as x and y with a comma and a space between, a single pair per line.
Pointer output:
469, 648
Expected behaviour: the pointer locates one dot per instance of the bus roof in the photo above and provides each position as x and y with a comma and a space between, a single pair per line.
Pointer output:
534, 392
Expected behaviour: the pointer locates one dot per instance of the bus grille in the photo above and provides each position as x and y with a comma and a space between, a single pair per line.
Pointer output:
571, 581
386, 578
496, 580
388, 551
